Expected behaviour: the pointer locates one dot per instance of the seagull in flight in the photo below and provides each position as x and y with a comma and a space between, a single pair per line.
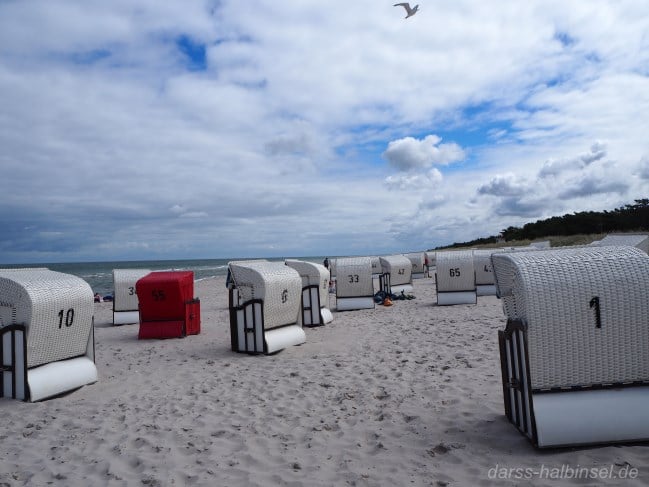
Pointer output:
410, 11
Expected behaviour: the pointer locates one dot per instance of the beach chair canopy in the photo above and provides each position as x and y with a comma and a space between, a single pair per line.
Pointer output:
418, 261
55, 308
312, 274
455, 271
573, 342
484, 274
354, 277
167, 305
575, 351
376, 265
639, 240
276, 284
399, 267
46, 333
124, 280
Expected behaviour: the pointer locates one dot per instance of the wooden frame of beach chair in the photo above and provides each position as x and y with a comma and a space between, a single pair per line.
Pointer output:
354, 284
455, 278
264, 302
167, 306
46, 333
418, 261
396, 276
125, 302
575, 349
315, 292
485, 281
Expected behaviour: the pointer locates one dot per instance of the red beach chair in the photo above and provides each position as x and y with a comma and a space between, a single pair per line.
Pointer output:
167, 305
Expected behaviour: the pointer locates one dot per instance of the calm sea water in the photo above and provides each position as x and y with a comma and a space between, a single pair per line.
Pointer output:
100, 274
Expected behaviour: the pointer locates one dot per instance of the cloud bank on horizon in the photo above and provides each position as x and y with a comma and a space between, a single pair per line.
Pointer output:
141, 130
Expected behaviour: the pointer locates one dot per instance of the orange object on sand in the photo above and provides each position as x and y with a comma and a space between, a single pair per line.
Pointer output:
387, 302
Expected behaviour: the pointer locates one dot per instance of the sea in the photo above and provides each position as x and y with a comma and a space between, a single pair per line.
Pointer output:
100, 274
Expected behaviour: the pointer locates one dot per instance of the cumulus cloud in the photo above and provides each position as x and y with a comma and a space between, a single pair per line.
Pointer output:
430, 179
409, 153
592, 185
504, 185
554, 167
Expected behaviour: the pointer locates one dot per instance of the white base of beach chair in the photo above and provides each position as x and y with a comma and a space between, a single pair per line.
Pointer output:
58, 377
348, 304
460, 297
593, 416
327, 315
126, 317
286, 336
419, 275
486, 290
406, 288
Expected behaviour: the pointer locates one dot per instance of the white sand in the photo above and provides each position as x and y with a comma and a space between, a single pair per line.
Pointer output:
398, 396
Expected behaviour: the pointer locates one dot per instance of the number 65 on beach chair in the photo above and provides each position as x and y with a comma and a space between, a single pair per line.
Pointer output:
46, 332
575, 350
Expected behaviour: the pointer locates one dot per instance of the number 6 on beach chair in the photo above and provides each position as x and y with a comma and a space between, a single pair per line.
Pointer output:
575, 350
46, 330
264, 307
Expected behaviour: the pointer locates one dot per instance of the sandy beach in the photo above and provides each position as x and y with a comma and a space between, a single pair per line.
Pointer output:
408, 395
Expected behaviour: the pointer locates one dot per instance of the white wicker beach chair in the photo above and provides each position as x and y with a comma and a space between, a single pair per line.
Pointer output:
396, 274
46, 328
484, 275
455, 277
315, 292
638, 240
376, 266
575, 350
418, 260
264, 307
125, 302
354, 285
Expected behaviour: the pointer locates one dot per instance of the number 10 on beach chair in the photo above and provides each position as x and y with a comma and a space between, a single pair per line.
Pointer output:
575, 351
46, 333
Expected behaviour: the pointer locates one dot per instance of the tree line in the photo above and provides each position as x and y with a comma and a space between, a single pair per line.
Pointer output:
628, 218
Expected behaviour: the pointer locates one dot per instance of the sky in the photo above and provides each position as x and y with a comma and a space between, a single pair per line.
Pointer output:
140, 129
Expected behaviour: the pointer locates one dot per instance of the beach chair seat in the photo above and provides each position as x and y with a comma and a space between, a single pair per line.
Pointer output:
575, 349
455, 278
354, 285
315, 292
264, 301
396, 276
46, 333
125, 302
167, 306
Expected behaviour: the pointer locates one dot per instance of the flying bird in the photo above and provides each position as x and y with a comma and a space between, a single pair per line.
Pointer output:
410, 11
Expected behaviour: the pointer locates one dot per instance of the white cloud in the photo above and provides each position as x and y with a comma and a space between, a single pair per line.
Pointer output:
108, 132
410, 153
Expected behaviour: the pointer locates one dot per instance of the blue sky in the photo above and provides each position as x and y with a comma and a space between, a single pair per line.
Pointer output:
215, 129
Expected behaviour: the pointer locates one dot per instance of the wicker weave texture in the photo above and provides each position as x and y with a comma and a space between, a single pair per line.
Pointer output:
376, 264
56, 308
399, 267
124, 280
559, 293
312, 275
354, 278
278, 285
454, 271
